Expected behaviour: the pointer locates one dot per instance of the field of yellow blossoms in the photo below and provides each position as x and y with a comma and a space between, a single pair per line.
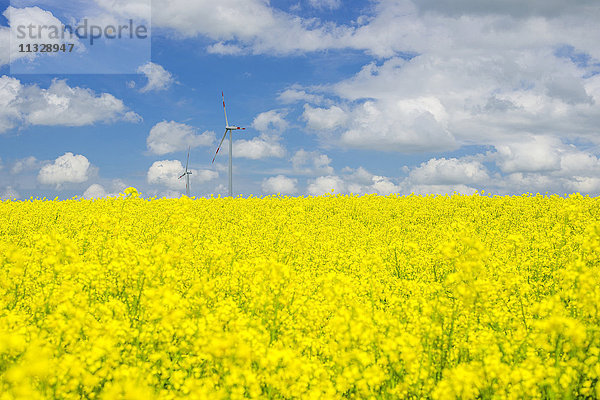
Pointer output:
333, 297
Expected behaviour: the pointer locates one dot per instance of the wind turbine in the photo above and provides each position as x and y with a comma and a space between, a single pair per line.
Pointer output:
187, 175
228, 129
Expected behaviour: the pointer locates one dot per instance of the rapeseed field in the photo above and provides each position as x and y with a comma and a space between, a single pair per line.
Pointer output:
333, 297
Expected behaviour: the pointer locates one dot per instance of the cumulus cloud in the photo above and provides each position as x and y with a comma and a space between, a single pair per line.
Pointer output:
264, 28
259, 147
449, 171
311, 163
324, 119
68, 168
158, 77
10, 103
25, 164
166, 173
361, 181
4, 45
326, 184
59, 104
536, 155
9, 51
356, 181
325, 4
514, 8
523, 95
538, 166
270, 121
96, 190
296, 94
441, 189
168, 137
385, 29
280, 184
446, 176
266, 145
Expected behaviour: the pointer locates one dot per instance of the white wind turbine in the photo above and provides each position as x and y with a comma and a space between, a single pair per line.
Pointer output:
228, 129
187, 175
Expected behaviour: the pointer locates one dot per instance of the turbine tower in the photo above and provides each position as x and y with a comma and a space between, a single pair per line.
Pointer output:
228, 129
187, 175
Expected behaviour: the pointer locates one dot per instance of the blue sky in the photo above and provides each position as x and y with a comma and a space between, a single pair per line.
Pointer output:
387, 96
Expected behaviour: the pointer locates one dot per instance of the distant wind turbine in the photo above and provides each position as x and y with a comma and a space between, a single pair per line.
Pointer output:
187, 175
228, 129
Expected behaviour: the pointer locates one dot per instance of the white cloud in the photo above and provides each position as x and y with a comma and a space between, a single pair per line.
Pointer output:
166, 173
268, 144
311, 163
441, 189
259, 147
270, 121
387, 27
446, 176
280, 184
9, 193
127, 8
60, 104
325, 184
449, 172
296, 94
158, 77
514, 8
4, 45
68, 168
357, 181
225, 49
168, 137
328, 4
583, 184
245, 26
538, 166
239, 26
24, 164
324, 119
404, 126
361, 181
537, 155
23, 17
383, 186
439, 101
95, 191
10, 91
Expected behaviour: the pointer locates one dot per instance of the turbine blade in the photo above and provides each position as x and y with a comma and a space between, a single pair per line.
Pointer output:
188, 159
225, 134
224, 110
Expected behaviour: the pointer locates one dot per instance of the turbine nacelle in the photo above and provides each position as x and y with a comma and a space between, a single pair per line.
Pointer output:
233, 128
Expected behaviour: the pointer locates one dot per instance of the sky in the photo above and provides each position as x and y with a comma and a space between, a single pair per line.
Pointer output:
380, 96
